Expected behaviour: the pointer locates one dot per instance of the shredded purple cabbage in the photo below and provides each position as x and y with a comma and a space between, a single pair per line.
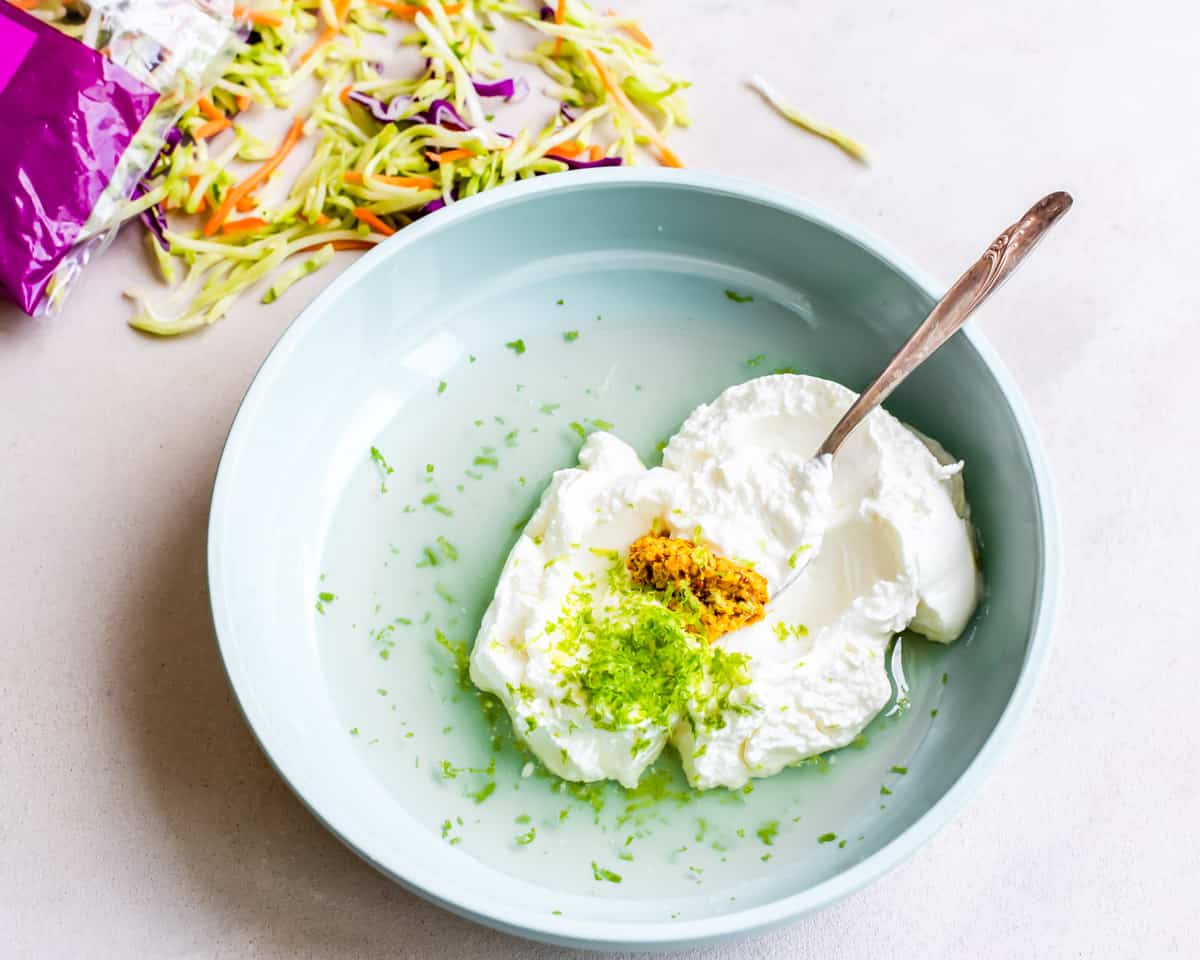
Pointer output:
154, 219
566, 113
573, 164
511, 89
441, 113
546, 13
436, 204
383, 112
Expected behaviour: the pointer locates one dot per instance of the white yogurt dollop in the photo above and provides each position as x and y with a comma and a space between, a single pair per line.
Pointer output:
884, 531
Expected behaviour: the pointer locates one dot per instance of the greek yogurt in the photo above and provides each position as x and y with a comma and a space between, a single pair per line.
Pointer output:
883, 530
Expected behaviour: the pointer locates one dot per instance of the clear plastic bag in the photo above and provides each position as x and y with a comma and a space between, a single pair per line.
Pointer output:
88, 110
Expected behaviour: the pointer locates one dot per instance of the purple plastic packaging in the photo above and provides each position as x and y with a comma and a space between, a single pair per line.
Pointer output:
70, 114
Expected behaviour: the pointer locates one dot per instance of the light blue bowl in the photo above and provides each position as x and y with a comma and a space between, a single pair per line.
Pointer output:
359, 709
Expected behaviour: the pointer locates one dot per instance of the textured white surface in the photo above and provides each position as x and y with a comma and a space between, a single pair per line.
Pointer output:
138, 818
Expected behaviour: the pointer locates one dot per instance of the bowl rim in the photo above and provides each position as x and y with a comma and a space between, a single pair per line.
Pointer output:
436, 886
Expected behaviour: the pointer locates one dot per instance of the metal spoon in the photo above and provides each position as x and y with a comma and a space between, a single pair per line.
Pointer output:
950, 313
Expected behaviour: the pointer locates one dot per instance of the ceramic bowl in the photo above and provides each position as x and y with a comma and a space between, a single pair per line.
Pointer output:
403, 428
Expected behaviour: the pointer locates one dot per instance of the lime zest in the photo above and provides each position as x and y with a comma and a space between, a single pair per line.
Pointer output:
384, 468
768, 832
526, 838
600, 873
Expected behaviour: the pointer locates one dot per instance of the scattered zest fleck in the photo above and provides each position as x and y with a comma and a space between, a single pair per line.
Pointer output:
484, 792
324, 598
601, 873
827, 838
755, 360
767, 832
571, 336
900, 770
516, 346
794, 558
737, 297
384, 467
525, 839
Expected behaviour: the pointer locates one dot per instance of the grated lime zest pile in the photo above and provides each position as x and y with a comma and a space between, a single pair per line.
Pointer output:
640, 657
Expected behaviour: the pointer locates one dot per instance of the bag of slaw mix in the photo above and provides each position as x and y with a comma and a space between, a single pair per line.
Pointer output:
87, 113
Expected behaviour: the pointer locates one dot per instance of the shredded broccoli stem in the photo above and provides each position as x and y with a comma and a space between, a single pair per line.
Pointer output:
767, 91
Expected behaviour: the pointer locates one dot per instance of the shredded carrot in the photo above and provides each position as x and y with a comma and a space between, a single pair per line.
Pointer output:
594, 153
211, 129
357, 179
323, 38
244, 225
210, 109
25, 4
322, 219
409, 11
245, 204
243, 103
560, 17
372, 221
344, 96
448, 156
570, 149
258, 176
260, 18
326, 36
666, 155
634, 31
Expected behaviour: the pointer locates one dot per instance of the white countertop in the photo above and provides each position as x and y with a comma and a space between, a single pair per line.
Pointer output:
138, 817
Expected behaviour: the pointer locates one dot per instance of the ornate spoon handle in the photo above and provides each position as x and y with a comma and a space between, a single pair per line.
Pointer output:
952, 311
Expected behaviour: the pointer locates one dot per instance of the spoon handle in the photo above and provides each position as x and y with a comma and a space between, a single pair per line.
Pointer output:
952, 311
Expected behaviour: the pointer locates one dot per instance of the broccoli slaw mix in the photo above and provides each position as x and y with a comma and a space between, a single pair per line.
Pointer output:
383, 112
